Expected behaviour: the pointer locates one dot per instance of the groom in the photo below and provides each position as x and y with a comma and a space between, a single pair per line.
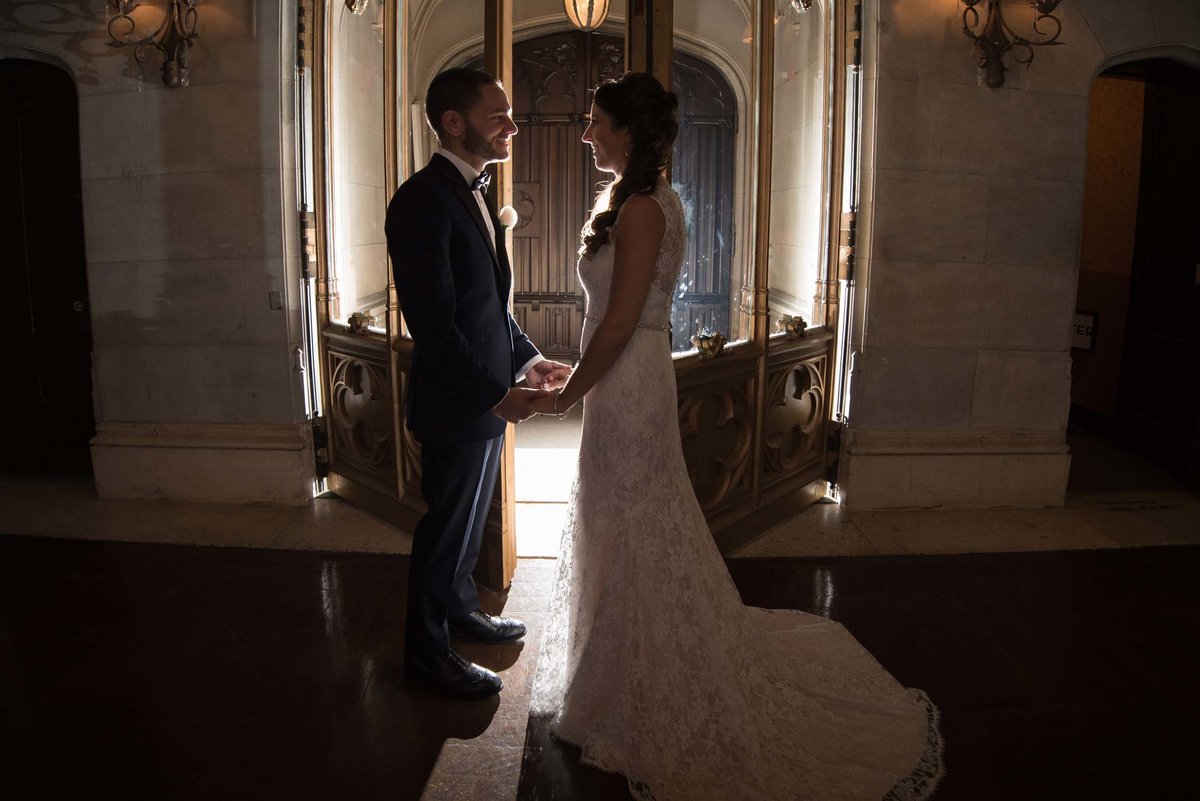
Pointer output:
453, 278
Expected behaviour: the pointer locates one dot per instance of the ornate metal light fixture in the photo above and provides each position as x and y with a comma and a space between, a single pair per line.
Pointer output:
172, 38
994, 38
586, 15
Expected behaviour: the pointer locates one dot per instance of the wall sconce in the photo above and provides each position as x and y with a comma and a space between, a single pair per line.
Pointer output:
586, 15
781, 8
995, 37
172, 38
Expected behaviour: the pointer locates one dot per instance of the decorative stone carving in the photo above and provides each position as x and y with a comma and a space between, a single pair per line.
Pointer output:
792, 326
709, 343
359, 322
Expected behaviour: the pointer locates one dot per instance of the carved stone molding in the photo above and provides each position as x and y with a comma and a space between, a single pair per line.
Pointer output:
204, 462
222, 436
971, 441
716, 425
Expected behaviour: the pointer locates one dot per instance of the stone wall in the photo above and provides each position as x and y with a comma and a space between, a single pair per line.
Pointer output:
970, 229
189, 215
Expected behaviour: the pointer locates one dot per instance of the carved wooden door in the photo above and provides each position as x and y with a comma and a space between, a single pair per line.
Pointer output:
555, 183
554, 180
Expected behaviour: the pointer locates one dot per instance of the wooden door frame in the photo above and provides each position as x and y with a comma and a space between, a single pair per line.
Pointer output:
753, 421
393, 494
498, 558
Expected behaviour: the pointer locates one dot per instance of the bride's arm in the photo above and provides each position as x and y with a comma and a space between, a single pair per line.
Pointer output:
641, 225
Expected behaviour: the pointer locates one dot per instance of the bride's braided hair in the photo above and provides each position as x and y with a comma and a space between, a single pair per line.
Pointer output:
638, 103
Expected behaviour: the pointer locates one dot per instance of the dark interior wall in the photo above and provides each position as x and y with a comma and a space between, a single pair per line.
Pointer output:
1109, 224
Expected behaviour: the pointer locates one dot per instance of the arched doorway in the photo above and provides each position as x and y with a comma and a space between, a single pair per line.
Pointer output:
1135, 413
46, 409
753, 422
554, 186
555, 182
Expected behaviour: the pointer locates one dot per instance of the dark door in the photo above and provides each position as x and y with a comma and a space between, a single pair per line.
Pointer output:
1158, 402
555, 183
46, 403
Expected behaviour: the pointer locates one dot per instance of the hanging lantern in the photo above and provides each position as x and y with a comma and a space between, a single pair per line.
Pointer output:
586, 15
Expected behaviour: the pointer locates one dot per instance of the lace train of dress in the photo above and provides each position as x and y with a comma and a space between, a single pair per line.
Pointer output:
650, 662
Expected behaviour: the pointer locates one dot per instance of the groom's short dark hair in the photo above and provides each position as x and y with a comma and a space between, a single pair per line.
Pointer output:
454, 90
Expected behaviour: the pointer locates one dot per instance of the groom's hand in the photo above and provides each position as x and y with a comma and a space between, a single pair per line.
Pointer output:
517, 404
548, 375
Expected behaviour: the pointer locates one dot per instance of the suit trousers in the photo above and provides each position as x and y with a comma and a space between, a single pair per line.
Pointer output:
457, 482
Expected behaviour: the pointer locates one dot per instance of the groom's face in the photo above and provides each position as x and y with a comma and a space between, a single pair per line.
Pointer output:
489, 125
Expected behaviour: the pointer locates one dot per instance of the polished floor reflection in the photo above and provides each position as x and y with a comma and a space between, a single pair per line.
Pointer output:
1059, 675
143, 671
148, 671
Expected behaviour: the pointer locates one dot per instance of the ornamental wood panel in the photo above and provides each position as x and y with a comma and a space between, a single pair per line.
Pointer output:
796, 408
360, 412
745, 480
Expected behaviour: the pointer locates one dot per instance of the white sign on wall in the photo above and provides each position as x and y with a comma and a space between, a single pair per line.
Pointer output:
1083, 334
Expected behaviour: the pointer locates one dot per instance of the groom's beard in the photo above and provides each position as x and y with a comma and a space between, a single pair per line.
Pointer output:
477, 144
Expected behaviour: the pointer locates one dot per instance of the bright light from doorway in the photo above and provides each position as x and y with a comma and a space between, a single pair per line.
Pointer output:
546, 460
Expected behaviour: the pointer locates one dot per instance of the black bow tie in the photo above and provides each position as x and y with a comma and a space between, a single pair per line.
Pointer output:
482, 181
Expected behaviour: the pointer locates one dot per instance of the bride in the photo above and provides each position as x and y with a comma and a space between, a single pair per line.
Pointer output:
651, 664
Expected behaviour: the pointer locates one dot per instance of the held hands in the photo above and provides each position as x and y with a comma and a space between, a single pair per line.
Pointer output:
548, 375
545, 404
517, 404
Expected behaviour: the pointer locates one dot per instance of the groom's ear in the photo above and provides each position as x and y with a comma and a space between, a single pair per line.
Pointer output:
453, 123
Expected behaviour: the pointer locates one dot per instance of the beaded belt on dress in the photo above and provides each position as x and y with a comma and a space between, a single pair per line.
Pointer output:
648, 326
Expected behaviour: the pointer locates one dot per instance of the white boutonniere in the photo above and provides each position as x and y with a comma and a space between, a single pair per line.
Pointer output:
508, 216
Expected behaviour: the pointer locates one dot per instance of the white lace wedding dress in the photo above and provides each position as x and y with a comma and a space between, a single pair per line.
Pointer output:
650, 662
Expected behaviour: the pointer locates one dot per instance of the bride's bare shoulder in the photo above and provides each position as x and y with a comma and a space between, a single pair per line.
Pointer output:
642, 208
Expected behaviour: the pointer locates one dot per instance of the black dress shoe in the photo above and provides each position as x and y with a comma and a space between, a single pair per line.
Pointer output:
485, 628
454, 676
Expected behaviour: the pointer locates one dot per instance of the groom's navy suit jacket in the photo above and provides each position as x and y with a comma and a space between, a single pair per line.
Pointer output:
453, 290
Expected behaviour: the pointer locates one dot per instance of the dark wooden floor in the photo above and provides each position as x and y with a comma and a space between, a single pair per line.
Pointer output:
164, 672
167, 672
1065, 675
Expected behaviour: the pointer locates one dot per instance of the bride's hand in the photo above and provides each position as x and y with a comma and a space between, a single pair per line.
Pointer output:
544, 404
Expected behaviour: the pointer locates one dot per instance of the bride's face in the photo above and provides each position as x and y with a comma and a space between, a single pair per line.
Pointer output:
610, 147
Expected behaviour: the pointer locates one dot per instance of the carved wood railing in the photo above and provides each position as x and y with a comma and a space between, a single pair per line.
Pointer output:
746, 482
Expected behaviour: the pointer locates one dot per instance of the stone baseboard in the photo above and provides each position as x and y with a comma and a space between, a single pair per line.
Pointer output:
955, 469
208, 463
